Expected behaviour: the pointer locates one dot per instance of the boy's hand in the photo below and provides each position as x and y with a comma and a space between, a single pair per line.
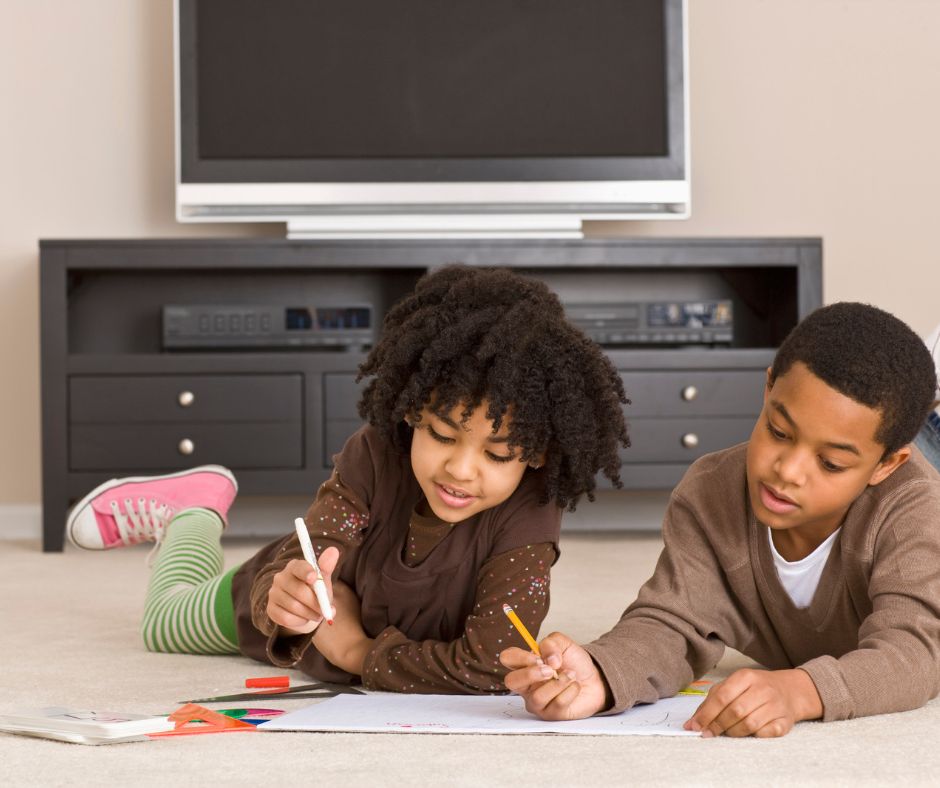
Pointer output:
292, 604
762, 703
346, 643
579, 691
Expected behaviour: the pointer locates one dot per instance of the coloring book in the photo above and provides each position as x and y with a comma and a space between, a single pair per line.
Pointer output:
83, 726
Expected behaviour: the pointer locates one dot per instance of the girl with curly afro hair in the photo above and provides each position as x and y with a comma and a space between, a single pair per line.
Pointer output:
469, 335
488, 415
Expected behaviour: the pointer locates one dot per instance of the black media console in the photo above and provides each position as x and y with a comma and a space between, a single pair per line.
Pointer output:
122, 394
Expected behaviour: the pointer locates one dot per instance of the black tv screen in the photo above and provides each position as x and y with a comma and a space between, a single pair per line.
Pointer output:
302, 79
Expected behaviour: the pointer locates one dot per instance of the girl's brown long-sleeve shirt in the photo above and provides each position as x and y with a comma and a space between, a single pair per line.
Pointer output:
431, 592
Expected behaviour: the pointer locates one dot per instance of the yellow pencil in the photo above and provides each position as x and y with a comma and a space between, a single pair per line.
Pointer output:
511, 615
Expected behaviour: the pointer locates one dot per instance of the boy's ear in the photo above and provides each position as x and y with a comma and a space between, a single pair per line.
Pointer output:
889, 465
768, 385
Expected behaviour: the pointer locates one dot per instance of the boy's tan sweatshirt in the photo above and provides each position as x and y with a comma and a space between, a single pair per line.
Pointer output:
870, 639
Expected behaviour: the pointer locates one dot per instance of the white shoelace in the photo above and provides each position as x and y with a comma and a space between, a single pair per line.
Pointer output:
146, 521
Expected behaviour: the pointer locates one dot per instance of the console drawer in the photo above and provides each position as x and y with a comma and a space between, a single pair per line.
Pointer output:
668, 393
150, 447
682, 440
675, 416
341, 396
336, 434
341, 418
694, 392
151, 399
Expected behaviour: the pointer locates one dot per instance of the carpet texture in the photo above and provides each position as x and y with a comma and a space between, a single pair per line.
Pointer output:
69, 637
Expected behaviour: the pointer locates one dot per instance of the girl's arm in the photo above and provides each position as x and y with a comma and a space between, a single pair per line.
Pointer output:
469, 664
336, 518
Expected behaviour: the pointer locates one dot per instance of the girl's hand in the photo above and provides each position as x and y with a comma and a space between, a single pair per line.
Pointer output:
292, 604
345, 643
579, 691
762, 703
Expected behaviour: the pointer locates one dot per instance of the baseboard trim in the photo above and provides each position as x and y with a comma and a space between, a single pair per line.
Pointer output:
21, 521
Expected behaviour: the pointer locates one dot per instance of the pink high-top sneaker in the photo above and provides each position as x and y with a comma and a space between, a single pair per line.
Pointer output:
136, 509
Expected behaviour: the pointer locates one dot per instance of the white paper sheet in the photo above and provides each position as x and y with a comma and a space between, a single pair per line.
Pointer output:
396, 713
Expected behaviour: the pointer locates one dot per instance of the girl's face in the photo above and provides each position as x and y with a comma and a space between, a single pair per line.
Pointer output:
464, 469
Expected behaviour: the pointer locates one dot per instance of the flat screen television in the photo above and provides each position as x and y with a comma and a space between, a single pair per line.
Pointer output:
447, 118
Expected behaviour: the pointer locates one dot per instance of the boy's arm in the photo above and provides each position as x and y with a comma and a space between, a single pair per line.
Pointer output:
901, 636
762, 703
677, 628
469, 664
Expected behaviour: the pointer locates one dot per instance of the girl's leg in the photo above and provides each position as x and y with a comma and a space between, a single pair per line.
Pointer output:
189, 601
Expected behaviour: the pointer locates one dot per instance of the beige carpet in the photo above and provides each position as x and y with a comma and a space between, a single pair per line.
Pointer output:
69, 638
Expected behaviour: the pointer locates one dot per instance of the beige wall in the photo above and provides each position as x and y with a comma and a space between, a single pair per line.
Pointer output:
809, 117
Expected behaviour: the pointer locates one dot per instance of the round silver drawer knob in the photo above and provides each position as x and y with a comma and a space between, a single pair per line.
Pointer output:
689, 393
185, 398
690, 440
186, 446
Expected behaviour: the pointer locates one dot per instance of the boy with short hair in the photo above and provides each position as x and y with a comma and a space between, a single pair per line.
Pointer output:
814, 549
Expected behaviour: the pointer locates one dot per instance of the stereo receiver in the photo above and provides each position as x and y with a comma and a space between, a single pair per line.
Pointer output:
198, 326
655, 322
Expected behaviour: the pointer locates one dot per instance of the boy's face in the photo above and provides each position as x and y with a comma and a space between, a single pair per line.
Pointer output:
464, 469
812, 453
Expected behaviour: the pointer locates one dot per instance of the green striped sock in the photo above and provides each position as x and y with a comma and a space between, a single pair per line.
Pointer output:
189, 606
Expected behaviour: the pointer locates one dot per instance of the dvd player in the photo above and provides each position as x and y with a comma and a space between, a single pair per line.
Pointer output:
213, 326
707, 322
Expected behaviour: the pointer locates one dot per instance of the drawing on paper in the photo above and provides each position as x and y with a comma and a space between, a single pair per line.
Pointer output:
392, 712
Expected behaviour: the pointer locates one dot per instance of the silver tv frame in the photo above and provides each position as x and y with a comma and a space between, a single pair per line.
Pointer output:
465, 198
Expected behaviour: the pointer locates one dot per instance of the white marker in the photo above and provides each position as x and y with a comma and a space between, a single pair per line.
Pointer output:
319, 586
